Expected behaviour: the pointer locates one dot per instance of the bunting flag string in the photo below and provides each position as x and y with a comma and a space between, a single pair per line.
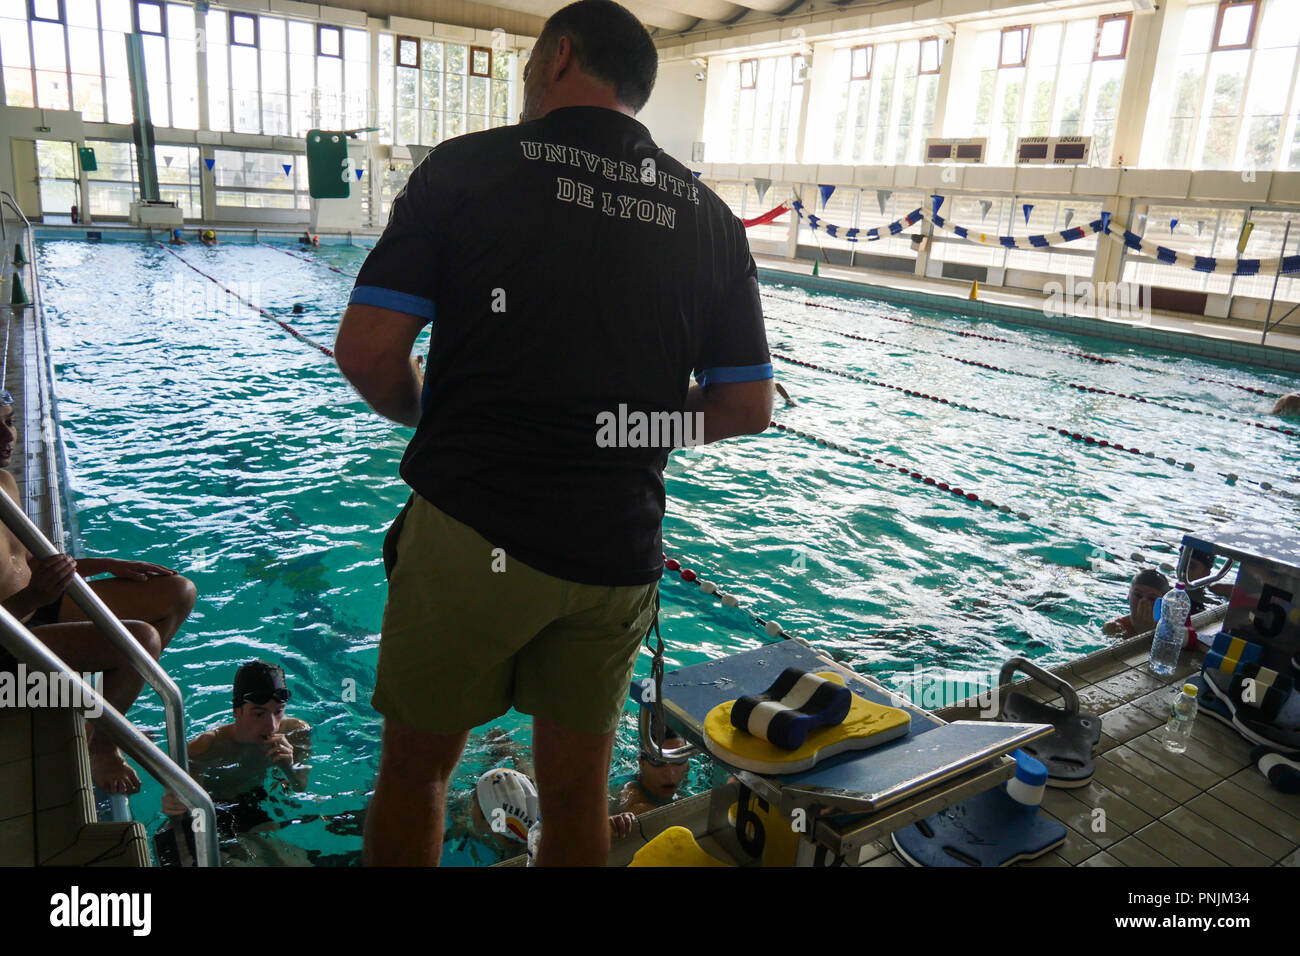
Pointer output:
1287, 265
856, 234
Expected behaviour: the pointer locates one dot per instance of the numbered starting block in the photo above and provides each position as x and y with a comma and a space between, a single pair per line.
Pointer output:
1262, 610
825, 813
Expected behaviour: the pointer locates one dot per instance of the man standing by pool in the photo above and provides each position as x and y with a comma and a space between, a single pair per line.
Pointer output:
580, 276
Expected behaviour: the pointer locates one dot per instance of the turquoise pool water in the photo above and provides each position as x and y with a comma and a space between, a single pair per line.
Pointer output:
202, 436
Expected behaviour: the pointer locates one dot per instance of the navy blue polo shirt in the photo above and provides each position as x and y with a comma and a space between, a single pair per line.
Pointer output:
576, 276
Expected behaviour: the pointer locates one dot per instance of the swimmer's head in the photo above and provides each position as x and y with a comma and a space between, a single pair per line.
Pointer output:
8, 429
1199, 564
591, 40
259, 696
1142, 593
506, 804
176, 233
659, 777
209, 234
1288, 404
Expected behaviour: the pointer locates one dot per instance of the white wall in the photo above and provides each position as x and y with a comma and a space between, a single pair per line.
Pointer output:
675, 113
17, 122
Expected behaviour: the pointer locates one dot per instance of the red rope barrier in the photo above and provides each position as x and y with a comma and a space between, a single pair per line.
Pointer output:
256, 308
767, 217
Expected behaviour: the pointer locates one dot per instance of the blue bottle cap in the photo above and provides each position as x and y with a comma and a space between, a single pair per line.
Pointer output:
1029, 770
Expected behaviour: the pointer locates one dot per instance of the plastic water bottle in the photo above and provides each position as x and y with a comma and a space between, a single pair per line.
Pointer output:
1171, 630
1181, 716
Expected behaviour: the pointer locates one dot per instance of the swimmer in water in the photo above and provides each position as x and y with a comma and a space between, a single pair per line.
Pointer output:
209, 237
1288, 405
232, 762
176, 239
656, 782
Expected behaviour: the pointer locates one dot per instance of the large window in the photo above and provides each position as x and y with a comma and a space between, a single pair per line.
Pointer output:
887, 101
284, 77
1048, 79
430, 90
761, 122
112, 185
1234, 95
258, 179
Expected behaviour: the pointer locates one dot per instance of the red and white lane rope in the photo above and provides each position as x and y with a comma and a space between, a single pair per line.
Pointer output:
323, 349
1042, 378
317, 262
913, 393
907, 471
1081, 437
726, 598
1086, 356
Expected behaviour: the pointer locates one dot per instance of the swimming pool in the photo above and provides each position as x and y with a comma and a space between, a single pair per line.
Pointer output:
203, 436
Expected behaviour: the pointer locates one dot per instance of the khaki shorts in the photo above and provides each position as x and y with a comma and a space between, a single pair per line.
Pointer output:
470, 632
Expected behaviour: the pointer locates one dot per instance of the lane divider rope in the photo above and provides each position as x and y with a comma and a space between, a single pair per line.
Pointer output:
1042, 378
690, 576
299, 256
1086, 356
324, 349
1081, 437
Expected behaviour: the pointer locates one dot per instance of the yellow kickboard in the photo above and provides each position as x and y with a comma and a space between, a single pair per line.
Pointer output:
676, 846
867, 725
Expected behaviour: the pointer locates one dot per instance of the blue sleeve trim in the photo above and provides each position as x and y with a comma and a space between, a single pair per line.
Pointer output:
391, 299
730, 374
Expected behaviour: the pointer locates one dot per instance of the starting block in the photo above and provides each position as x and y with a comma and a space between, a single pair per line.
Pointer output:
836, 807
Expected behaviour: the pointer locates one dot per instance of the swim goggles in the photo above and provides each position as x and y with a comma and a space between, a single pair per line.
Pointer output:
280, 694
656, 762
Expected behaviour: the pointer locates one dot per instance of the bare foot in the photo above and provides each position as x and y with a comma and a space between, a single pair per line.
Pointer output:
111, 773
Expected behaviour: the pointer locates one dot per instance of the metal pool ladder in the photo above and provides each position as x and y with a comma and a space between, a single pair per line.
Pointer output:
170, 768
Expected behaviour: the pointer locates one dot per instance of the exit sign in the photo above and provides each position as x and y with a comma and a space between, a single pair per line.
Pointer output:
42, 129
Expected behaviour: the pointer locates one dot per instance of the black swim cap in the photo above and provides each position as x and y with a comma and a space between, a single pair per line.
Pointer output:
257, 682
1151, 578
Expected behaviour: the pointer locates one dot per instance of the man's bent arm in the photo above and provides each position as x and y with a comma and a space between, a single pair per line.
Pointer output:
732, 408
373, 351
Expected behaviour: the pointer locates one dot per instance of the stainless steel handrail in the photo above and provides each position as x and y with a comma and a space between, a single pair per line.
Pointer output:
110, 627
25, 647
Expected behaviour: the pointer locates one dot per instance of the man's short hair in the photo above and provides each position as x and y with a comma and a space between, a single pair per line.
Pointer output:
609, 43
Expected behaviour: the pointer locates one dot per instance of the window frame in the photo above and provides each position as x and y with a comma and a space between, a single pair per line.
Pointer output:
938, 57
1215, 47
1128, 33
32, 16
752, 63
469, 63
320, 30
257, 31
397, 52
870, 50
1024, 29
162, 18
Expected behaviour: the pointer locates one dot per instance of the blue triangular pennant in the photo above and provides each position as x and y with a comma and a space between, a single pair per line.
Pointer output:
359, 172
882, 197
937, 201
1172, 223
1105, 221
697, 174
826, 193
211, 163
1028, 208
286, 167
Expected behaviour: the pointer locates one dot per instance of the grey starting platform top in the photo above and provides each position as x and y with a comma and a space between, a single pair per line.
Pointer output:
1264, 545
856, 782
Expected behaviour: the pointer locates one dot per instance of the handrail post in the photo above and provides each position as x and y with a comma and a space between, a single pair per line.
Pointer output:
20, 642
107, 622
1276, 276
